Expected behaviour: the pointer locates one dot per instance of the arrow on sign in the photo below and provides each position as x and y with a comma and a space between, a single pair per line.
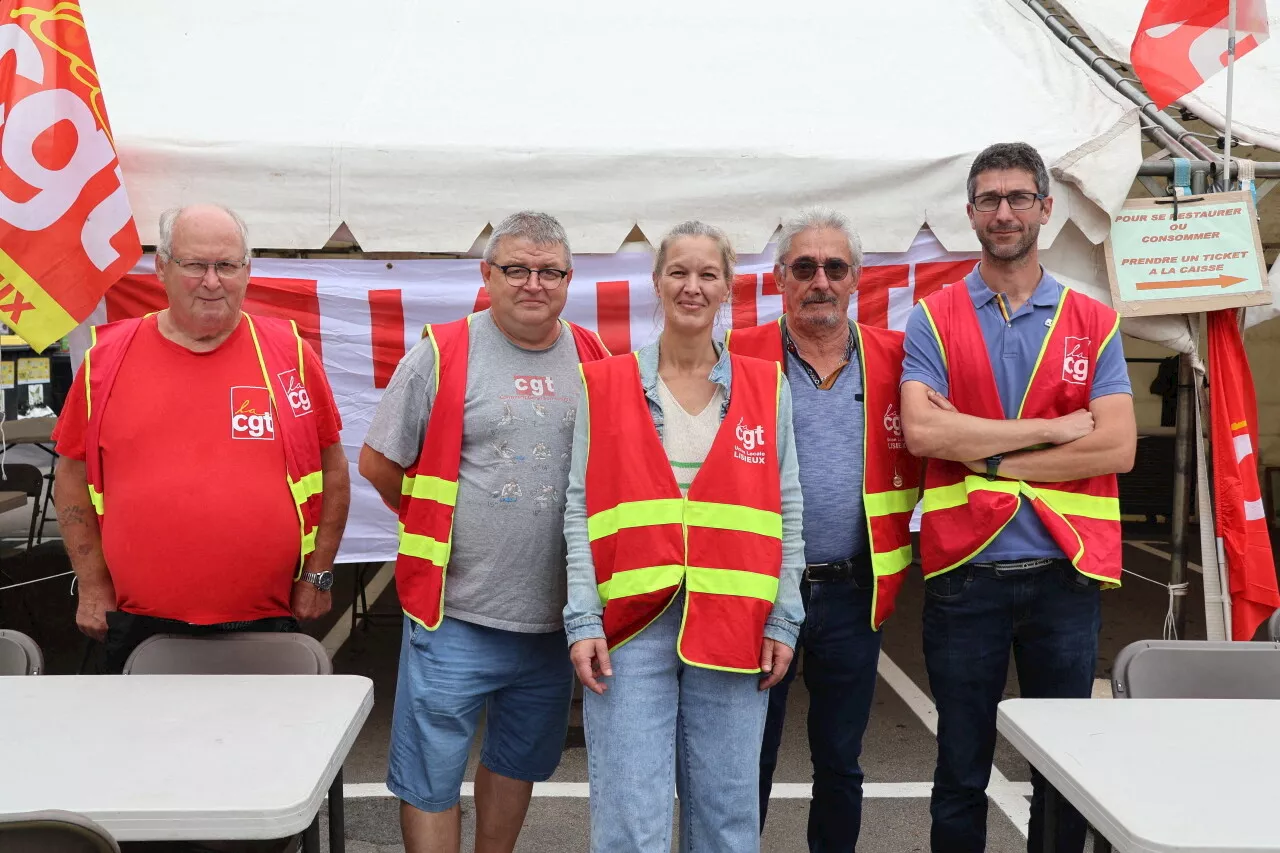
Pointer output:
1219, 281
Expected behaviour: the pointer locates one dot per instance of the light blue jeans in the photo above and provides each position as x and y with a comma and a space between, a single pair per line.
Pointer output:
664, 726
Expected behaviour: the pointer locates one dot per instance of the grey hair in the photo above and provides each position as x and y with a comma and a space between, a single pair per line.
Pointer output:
168, 219
1009, 155
694, 228
541, 229
819, 218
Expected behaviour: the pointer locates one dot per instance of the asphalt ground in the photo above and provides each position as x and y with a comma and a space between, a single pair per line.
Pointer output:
898, 752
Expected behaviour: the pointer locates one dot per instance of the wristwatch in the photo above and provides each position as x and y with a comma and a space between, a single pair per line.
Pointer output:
320, 580
993, 466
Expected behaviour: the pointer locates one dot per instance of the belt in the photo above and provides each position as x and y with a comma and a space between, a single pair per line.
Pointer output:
1009, 567
839, 570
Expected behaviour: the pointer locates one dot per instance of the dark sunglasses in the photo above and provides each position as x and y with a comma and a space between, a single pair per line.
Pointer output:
804, 269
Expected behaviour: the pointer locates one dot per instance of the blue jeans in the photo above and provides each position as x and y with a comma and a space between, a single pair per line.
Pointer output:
972, 617
840, 656
664, 726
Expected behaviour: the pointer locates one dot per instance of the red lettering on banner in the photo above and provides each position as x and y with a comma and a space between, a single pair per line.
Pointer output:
770, 286
873, 292
386, 333
482, 300
613, 315
932, 277
289, 298
744, 300
15, 308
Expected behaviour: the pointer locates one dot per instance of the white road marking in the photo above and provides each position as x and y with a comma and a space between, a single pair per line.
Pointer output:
1142, 545
341, 631
781, 791
1010, 798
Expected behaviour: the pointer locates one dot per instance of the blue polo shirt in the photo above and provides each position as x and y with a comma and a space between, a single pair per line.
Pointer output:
1013, 339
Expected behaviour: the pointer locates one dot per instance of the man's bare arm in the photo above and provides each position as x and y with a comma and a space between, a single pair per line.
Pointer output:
933, 429
1109, 449
78, 523
385, 476
333, 514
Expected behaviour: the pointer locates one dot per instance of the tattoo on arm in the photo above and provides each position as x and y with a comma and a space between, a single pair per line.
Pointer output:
72, 515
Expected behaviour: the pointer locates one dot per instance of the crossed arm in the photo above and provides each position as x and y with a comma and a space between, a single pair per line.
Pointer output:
1084, 443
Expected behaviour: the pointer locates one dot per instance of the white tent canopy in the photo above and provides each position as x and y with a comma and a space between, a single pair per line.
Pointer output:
1255, 116
417, 124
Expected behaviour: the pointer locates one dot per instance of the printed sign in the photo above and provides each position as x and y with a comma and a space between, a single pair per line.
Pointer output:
1204, 256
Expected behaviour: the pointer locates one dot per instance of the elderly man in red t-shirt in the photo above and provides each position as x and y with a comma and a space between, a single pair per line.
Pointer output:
202, 485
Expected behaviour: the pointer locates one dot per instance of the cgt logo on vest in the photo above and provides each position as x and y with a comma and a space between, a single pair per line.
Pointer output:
1075, 360
295, 392
749, 438
893, 428
251, 413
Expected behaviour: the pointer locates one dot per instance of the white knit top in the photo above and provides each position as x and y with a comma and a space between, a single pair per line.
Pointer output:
687, 438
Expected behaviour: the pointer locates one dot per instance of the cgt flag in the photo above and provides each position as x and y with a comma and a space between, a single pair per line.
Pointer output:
66, 230
1239, 513
1182, 43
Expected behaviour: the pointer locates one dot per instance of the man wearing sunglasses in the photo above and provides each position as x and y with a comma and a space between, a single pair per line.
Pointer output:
1016, 390
859, 485
470, 445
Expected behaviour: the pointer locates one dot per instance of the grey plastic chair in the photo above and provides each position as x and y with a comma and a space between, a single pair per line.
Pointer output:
1273, 627
19, 654
246, 653
1197, 669
235, 653
53, 832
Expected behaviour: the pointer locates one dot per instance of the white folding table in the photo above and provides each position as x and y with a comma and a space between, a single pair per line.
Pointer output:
180, 757
1158, 775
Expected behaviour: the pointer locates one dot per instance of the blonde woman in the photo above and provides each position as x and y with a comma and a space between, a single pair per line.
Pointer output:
683, 524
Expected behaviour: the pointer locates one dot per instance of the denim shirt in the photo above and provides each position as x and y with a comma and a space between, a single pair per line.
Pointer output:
582, 615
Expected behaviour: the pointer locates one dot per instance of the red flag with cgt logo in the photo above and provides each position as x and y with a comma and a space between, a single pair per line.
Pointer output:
1240, 515
1182, 43
66, 230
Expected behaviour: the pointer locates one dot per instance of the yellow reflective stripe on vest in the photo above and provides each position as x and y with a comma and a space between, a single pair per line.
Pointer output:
95, 497
308, 543
634, 514
425, 487
891, 562
888, 503
423, 547
732, 517
957, 494
311, 484
640, 581
1074, 503
731, 582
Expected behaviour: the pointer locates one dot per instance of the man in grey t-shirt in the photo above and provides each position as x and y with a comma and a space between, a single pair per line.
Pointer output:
500, 643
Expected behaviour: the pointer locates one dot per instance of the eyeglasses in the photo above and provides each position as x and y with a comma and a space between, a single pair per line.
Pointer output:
197, 269
518, 276
804, 269
990, 202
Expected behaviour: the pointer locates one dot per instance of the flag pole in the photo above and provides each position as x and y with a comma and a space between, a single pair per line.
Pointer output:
1231, 79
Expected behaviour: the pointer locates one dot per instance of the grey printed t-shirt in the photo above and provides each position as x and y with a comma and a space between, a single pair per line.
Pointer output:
507, 567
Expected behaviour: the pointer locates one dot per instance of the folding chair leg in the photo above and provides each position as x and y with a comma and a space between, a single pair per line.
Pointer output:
48, 498
337, 816
364, 596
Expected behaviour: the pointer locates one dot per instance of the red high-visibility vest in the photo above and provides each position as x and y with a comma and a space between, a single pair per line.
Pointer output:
279, 349
963, 511
429, 490
890, 475
723, 541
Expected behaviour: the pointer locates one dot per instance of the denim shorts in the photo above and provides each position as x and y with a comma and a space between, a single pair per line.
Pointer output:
523, 683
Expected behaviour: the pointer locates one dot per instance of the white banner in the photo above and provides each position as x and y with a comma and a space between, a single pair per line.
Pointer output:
363, 315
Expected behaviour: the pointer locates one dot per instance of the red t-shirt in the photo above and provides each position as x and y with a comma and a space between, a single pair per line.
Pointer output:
199, 522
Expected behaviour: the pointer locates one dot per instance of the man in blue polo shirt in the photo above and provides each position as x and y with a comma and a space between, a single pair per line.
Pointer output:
1018, 589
